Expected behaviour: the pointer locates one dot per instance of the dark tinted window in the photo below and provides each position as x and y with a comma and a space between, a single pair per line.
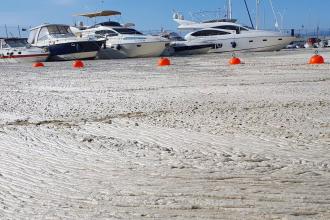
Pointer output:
106, 33
127, 31
110, 23
209, 33
232, 28
107, 24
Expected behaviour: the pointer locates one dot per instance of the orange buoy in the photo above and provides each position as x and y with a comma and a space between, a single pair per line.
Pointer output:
164, 62
316, 59
78, 64
234, 61
38, 64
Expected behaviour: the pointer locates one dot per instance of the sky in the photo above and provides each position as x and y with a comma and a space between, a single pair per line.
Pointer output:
157, 14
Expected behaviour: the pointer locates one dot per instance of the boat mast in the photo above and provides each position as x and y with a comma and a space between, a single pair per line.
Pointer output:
229, 10
276, 20
257, 14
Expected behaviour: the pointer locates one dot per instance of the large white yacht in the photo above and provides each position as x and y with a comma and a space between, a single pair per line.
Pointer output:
62, 43
122, 41
18, 50
229, 36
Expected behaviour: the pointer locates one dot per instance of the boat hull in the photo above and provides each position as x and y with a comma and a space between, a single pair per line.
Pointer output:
259, 44
133, 50
74, 50
24, 58
23, 55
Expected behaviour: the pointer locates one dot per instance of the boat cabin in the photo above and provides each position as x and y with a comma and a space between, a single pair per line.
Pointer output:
48, 32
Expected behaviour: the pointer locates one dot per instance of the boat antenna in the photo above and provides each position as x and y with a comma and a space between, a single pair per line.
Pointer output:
19, 31
248, 11
6, 29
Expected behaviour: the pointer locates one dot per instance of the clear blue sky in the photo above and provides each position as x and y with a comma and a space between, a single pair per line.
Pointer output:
154, 14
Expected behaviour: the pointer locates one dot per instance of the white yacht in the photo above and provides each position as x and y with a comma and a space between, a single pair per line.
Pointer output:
18, 50
123, 41
62, 43
228, 36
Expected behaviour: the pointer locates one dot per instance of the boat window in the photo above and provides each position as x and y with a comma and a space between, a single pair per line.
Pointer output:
32, 36
64, 30
208, 33
127, 31
110, 24
18, 42
108, 33
238, 29
60, 31
43, 34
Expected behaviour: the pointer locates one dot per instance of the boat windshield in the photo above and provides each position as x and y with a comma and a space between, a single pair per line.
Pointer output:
19, 42
127, 31
60, 31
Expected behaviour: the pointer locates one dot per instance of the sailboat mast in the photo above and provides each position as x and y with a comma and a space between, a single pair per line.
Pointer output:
257, 14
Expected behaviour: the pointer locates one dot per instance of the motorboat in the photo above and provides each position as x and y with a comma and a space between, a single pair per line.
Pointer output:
122, 41
62, 43
18, 50
229, 36
180, 46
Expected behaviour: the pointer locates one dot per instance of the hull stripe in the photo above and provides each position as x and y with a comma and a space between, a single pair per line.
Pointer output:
23, 56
